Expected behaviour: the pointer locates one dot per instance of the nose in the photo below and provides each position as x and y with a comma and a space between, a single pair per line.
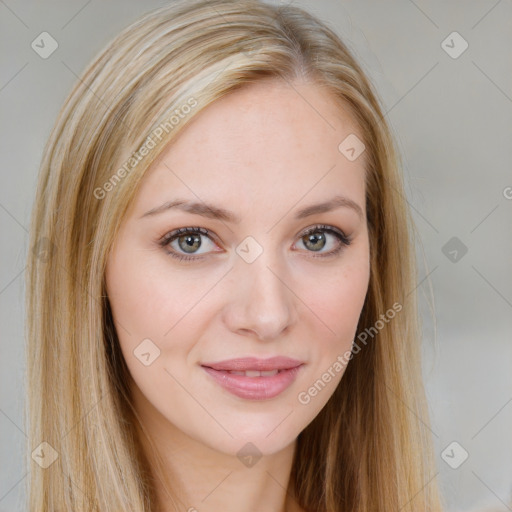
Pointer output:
262, 301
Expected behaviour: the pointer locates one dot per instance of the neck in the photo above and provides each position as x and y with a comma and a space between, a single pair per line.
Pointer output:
191, 476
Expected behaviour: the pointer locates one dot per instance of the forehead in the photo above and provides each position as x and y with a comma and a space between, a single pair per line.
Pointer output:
264, 142
255, 120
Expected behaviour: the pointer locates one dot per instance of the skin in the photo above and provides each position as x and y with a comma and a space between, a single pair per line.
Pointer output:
262, 152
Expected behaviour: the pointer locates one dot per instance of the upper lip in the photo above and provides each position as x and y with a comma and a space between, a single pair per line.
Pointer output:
255, 364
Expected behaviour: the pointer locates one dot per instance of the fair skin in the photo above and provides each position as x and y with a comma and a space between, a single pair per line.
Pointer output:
263, 152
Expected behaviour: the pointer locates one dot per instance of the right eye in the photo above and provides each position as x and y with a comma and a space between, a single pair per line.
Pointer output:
185, 242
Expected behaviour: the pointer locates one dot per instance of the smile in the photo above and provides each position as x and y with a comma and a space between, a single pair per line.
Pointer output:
254, 385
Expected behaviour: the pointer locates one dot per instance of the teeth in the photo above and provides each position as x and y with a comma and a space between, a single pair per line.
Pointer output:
255, 373
269, 373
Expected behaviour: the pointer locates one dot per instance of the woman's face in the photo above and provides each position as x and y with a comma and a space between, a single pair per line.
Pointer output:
252, 169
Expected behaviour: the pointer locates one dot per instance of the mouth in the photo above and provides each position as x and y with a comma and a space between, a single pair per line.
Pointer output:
252, 373
254, 379
244, 364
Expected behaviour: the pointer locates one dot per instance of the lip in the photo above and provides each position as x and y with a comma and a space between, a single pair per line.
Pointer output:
253, 363
255, 388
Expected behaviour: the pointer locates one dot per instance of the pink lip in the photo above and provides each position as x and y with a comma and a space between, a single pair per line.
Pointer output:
253, 363
255, 388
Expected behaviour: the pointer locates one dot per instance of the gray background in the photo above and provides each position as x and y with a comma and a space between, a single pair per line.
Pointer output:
452, 118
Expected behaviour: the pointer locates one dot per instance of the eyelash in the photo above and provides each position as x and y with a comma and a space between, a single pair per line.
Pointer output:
165, 241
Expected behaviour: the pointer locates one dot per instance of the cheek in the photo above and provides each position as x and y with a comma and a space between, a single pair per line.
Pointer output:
339, 300
157, 312
338, 305
149, 309
350, 297
147, 300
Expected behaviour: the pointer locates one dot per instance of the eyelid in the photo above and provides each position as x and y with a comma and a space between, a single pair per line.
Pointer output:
169, 237
329, 229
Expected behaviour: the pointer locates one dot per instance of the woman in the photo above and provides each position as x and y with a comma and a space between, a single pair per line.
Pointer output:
224, 315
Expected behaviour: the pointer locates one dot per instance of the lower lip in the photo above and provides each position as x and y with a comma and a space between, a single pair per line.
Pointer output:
254, 388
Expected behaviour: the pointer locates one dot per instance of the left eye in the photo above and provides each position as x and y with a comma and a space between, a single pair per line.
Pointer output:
184, 243
315, 239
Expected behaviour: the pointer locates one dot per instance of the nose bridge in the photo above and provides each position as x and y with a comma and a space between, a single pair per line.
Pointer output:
262, 301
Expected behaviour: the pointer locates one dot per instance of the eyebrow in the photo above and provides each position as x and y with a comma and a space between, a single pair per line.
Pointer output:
215, 212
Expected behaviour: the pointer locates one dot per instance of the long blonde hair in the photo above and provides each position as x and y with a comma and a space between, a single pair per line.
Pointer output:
369, 449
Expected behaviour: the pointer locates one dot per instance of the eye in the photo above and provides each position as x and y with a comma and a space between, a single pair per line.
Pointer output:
316, 238
184, 243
